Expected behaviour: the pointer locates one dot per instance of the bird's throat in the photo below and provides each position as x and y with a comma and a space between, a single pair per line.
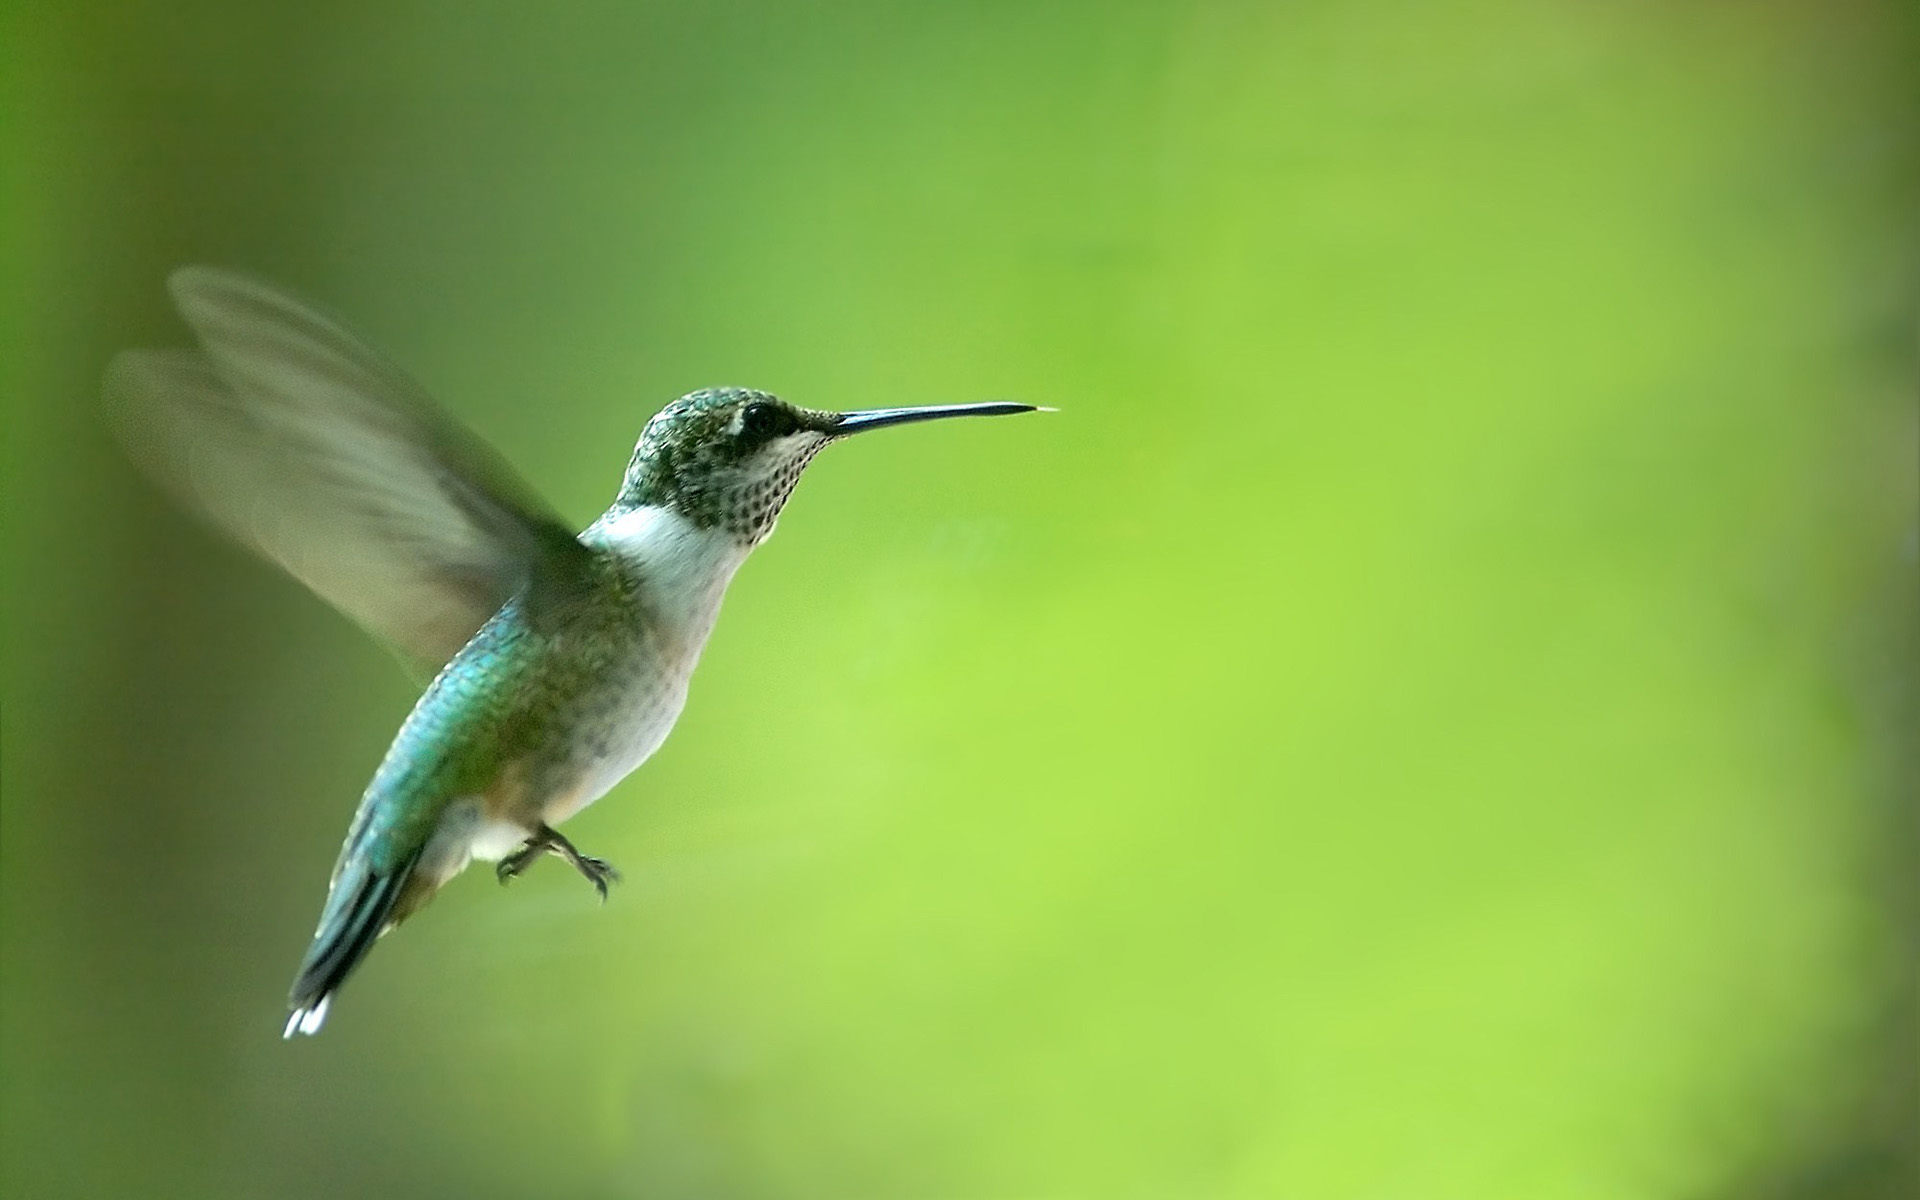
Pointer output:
682, 568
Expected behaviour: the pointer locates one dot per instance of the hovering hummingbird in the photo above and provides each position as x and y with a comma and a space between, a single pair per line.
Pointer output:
562, 659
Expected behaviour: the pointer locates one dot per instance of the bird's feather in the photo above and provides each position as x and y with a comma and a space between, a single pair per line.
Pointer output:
359, 908
310, 447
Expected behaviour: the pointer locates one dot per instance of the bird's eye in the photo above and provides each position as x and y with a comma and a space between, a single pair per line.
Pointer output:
762, 421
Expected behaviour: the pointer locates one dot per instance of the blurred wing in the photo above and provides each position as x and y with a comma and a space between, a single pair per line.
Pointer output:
308, 446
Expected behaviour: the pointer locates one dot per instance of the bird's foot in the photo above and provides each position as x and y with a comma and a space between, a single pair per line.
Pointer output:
518, 861
598, 871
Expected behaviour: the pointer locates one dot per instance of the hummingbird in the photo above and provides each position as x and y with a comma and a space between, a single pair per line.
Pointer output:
560, 660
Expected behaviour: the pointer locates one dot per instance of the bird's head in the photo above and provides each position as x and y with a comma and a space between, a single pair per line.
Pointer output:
728, 458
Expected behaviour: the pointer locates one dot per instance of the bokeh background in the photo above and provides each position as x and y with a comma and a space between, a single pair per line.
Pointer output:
1432, 716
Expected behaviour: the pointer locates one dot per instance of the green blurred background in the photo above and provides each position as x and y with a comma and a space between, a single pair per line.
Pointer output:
1431, 718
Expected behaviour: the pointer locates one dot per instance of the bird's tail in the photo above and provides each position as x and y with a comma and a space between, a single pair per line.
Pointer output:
360, 906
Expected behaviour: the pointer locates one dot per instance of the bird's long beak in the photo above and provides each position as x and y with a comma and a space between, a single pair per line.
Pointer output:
880, 418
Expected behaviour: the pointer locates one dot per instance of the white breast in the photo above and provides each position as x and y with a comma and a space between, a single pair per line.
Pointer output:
683, 571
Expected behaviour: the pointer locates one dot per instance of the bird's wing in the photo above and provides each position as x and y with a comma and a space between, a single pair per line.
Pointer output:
310, 447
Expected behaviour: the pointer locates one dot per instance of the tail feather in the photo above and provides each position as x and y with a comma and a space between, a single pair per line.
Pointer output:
348, 927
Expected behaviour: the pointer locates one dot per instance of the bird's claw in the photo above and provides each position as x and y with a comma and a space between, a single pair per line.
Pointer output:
598, 871
518, 861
